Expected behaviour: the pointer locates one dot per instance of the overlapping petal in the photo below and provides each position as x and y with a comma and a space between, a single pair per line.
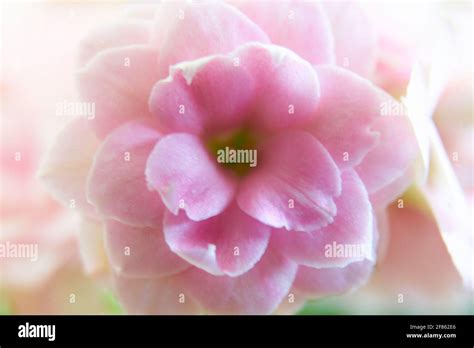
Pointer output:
187, 31
267, 86
117, 82
65, 169
302, 26
352, 230
258, 291
185, 175
140, 252
230, 243
117, 184
294, 184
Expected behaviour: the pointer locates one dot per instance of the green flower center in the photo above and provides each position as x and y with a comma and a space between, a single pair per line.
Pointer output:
235, 151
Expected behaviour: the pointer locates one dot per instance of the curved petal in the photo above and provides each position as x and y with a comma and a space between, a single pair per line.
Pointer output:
351, 231
417, 259
154, 296
391, 158
354, 36
267, 85
288, 89
302, 26
117, 184
448, 204
203, 96
316, 282
388, 193
126, 32
347, 108
136, 252
295, 192
182, 171
118, 82
230, 243
258, 291
66, 166
186, 31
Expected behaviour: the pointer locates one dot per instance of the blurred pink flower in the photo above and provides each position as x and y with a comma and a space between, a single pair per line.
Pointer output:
427, 234
174, 87
40, 267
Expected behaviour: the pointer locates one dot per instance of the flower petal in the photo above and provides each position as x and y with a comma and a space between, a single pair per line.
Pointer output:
354, 36
266, 85
417, 259
391, 158
230, 243
126, 32
447, 202
140, 252
187, 31
302, 26
295, 192
65, 169
287, 87
182, 171
118, 81
117, 185
258, 291
316, 282
205, 95
352, 228
347, 108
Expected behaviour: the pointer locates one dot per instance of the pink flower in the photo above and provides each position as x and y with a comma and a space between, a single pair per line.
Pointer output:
178, 89
426, 263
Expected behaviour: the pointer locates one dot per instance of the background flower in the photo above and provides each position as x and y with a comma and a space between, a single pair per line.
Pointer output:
53, 281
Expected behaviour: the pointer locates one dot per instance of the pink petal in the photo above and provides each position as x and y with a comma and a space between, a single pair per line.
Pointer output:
451, 209
189, 31
117, 185
354, 36
388, 193
287, 87
302, 26
206, 95
118, 81
65, 169
347, 108
140, 252
295, 192
417, 260
268, 84
126, 32
391, 158
258, 291
230, 243
316, 282
185, 175
154, 296
352, 226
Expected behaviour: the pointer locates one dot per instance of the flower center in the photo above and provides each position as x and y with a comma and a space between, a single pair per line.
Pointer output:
236, 151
